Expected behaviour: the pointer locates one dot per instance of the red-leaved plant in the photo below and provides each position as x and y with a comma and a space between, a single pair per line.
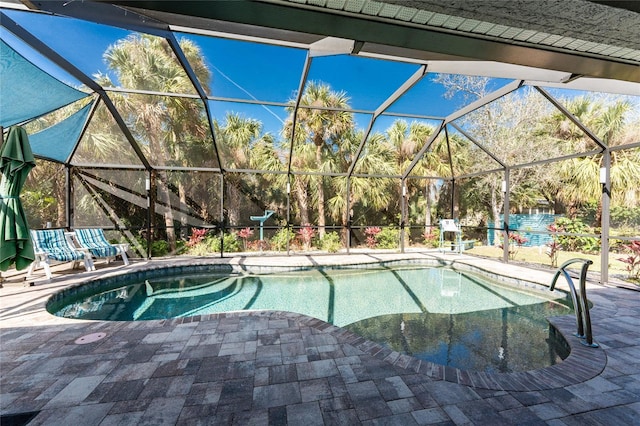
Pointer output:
372, 232
197, 235
553, 246
633, 259
429, 237
245, 234
306, 234
515, 242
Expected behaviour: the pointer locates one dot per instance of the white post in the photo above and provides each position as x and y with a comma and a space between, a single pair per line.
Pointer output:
505, 215
605, 181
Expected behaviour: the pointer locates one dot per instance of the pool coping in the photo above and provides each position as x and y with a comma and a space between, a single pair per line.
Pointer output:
582, 364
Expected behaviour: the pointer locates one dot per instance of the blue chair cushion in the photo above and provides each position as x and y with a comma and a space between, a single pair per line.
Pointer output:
96, 242
55, 245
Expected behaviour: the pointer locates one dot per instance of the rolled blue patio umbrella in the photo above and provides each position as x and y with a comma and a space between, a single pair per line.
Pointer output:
16, 161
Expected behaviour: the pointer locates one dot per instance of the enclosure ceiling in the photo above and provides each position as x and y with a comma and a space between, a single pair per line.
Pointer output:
576, 36
577, 44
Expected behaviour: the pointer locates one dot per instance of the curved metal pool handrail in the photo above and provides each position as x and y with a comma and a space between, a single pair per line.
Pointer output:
583, 318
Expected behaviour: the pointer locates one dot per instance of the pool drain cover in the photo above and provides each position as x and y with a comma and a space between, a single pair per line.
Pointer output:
90, 338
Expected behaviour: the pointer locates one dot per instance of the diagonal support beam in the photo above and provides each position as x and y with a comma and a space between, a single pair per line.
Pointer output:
571, 117
478, 144
513, 86
424, 149
175, 46
406, 86
303, 80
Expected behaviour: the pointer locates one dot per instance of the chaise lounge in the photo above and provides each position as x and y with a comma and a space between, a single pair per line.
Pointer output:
94, 240
54, 245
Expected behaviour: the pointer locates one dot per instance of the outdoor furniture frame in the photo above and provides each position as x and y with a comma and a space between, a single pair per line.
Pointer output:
94, 240
450, 225
55, 245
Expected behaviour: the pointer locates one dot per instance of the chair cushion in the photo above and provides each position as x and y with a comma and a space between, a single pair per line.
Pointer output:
96, 242
55, 245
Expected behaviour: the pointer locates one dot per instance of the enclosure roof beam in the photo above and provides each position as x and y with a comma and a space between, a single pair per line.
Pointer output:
404, 88
503, 91
175, 46
84, 129
303, 80
478, 144
556, 159
572, 117
424, 149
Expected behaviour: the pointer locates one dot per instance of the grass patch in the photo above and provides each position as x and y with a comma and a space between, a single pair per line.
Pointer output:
538, 256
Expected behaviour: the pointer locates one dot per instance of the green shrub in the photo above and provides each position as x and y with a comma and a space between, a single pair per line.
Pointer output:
331, 242
279, 240
431, 239
575, 243
231, 243
204, 247
159, 248
389, 238
211, 244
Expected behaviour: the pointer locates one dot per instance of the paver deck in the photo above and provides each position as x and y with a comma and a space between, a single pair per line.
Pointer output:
276, 368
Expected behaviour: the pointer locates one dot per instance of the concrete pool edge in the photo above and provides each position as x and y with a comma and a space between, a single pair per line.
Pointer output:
581, 365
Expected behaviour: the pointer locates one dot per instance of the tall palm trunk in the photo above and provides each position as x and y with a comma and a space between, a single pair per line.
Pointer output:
302, 196
321, 207
61, 194
164, 193
427, 213
182, 192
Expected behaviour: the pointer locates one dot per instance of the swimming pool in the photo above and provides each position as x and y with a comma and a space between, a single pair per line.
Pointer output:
432, 313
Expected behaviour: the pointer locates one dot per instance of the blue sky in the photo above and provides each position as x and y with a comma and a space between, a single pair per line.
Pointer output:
240, 70
249, 71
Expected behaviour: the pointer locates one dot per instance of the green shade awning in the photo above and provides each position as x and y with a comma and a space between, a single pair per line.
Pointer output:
21, 101
58, 141
16, 161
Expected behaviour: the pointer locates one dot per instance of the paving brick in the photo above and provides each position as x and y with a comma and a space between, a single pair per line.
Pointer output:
304, 414
276, 395
430, 416
278, 368
316, 369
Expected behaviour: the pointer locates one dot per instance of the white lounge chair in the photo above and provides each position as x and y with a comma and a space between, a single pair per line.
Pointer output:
94, 240
54, 245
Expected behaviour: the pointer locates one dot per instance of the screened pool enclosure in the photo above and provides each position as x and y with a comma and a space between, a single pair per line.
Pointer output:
206, 142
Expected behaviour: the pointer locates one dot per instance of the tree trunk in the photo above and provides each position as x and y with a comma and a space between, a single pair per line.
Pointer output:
427, 214
321, 211
183, 209
455, 194
302, 196
495, 212
61, 208
346, 218
164, 195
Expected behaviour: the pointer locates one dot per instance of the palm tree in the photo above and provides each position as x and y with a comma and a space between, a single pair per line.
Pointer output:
244, 145
374, 193
159, 123
609, 122
407, 139
322, 123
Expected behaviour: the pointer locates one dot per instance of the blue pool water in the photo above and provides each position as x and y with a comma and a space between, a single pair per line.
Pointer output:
435, 314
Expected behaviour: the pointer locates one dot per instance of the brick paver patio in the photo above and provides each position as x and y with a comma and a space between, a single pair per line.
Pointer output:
275, 368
